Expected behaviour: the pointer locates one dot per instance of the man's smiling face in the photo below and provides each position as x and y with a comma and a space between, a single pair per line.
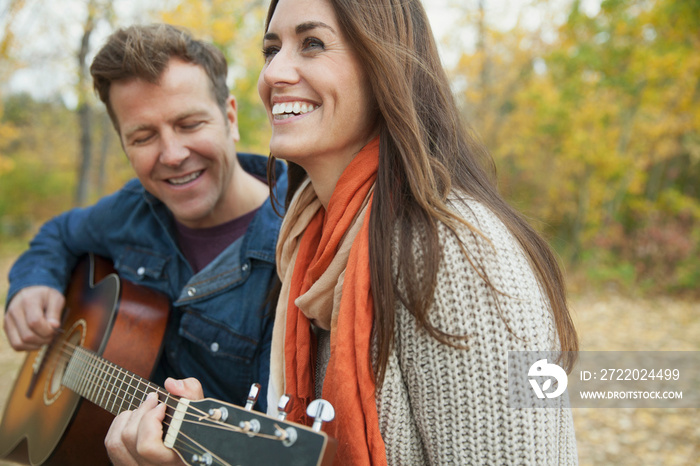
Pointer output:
179, 142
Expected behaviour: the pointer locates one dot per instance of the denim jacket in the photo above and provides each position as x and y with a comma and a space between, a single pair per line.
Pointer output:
219, 329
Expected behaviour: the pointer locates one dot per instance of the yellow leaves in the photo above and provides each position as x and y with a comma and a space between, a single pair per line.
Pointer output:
606, 127
194, 16
224, 23
677, 203
6, 165
6, 37
222, 31
8, 134
691, 144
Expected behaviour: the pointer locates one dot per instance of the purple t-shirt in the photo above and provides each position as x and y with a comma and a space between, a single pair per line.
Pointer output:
202, 245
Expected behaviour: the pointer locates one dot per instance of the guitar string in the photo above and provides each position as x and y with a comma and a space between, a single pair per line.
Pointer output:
186, 444
88, 377
88, 357
180, 439
190, 445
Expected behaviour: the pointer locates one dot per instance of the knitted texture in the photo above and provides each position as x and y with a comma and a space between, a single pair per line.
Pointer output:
445, 405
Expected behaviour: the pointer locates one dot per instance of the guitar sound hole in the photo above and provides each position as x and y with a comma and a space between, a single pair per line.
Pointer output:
60, 354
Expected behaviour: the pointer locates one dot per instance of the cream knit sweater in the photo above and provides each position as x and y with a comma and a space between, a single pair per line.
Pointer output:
442, 405
447, 406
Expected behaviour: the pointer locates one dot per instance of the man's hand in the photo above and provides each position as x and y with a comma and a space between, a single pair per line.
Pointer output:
136, 437
33, 316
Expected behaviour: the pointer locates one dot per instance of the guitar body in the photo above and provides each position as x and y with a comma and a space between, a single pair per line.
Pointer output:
45, 422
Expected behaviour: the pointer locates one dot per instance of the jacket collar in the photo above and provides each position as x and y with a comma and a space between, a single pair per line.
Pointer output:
262, 244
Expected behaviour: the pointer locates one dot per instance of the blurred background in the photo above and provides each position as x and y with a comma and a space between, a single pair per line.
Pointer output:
590, 108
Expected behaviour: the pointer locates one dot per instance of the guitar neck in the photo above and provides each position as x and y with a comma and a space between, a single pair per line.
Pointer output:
203, 432
106, 384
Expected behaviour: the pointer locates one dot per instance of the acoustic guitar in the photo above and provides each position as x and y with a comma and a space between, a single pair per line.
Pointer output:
68, 392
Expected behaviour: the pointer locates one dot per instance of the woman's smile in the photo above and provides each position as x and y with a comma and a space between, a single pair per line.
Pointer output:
282, 111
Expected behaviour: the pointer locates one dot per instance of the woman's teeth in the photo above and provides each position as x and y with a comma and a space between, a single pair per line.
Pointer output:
185, 179
287, 109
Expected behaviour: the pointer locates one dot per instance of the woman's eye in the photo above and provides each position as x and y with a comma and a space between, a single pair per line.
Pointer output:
269, 51
311, 43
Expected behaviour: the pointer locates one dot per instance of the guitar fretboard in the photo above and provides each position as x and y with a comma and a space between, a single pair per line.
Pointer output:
106, 384
202, 432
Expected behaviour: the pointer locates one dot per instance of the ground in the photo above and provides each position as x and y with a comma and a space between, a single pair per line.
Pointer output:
606, 321
609, 322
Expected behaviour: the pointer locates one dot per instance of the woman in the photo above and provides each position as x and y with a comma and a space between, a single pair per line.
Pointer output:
406, 279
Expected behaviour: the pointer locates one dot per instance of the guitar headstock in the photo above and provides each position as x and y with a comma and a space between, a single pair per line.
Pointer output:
211, 432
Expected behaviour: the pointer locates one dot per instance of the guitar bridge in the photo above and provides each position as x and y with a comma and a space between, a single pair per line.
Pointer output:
39, 358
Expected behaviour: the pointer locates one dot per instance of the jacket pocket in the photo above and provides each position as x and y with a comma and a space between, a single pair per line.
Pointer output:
217, 339
223, 360
137, 264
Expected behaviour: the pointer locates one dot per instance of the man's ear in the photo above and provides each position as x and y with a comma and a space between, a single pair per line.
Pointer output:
232, 117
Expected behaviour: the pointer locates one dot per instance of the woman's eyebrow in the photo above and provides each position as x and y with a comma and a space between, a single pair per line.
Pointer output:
300, 29
309, 25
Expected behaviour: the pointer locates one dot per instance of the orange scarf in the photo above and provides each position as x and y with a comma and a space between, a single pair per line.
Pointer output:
349, 381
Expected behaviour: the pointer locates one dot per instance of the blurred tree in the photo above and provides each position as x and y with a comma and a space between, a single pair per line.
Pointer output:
54, 151
8, 133
490, 81
597, 131
237, 29
57, 160
35, 189
95, 11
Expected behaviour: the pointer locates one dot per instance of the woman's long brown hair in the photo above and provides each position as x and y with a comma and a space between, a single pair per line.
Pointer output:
426, 152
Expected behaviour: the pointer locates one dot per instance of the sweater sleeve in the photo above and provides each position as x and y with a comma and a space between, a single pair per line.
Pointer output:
446, 405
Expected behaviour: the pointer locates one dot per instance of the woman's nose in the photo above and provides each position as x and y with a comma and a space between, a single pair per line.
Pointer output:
280, 70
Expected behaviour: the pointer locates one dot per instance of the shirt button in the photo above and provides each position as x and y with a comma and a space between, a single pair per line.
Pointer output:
191, 291
245, 267
214, 347
141, 271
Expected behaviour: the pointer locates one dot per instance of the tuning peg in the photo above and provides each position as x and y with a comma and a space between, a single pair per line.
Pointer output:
252, 396
284, 407
206, 459
218, 414
322, 411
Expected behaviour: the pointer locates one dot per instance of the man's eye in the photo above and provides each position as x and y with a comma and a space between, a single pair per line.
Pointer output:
188, 126
141, 140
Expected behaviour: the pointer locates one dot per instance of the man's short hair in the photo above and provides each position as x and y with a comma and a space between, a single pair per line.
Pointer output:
144, 52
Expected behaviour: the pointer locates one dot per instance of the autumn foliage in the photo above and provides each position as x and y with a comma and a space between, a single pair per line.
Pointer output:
593, 120
597, 136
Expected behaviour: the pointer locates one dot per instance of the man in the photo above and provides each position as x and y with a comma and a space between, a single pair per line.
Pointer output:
196, 224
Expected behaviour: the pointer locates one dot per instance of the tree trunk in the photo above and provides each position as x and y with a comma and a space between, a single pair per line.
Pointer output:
83, 187
84, 112
104, 152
